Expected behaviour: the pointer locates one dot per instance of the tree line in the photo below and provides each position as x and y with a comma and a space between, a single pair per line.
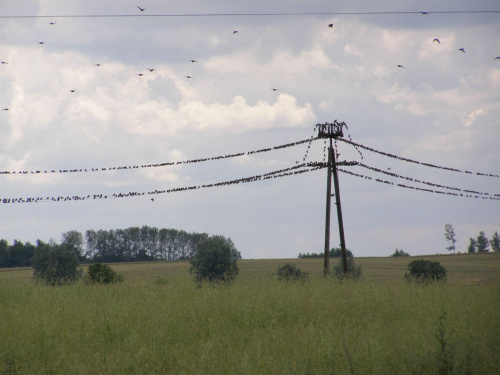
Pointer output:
334, 253
107, 246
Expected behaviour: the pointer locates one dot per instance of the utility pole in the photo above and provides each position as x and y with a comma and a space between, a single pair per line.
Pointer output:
333, 131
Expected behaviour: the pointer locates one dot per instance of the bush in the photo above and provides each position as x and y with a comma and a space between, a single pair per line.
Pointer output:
56, 265
425, 271
215, 260
290, 272
353, 272
400, 253
99, 273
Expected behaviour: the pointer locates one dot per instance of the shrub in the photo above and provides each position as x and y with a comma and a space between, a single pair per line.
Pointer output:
56, 265
215, 260
400, 253
290, 272
353, 272
99, 273
425, 271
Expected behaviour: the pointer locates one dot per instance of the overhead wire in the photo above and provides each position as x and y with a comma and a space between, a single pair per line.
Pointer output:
416, 161
155, 165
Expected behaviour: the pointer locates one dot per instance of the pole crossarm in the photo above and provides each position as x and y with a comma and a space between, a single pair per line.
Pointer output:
330, 130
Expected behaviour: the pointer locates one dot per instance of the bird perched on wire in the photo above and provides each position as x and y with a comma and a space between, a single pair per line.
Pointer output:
141, 9
462, 49
436, 40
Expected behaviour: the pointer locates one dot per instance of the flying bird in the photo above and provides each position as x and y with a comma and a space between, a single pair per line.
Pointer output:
275, 89
5, 109
330, 26
150, 69
188, 77
72, 90
193, 61
41, 42
152, 199
462, 49
140, 74
400, 66
436, 40
52, 23
3, 62
141, 9
98, 64
496, 58
235, 31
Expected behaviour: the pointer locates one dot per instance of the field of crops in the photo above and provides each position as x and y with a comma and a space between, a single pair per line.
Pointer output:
158, 321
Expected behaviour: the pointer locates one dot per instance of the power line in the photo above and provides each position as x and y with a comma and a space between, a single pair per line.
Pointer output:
155, 165
295, 170
278, 14
416, 161
473, 194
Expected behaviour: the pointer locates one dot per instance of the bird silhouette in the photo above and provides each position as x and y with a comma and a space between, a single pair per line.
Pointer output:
150, 69
41, 42
152, 199
235, 31
140, 74
5, 109
193, 61
4, 63
141, 9
52, 23
188, 77
436, 40
330, 25
400, 66
424, 12
98, 64
496, 58
275, 89
72, 90
462, 49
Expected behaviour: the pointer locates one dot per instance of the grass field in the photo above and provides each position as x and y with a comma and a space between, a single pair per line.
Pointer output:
158, 322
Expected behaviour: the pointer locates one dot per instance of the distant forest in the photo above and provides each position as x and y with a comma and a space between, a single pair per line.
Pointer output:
334, 253
115, 245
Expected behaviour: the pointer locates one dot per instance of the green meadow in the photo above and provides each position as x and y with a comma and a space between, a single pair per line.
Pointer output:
158, 321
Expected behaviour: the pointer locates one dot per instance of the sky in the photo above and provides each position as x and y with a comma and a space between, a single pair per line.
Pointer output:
60, 110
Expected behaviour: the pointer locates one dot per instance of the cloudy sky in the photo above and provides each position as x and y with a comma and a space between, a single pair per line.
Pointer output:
441, 107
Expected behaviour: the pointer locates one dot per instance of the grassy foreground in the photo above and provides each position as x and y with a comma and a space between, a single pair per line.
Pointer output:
158, 322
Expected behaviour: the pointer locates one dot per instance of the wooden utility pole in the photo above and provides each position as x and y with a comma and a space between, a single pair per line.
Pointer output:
332, 131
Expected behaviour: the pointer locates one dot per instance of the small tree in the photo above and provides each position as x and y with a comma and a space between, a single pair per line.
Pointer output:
472, 248
482, 243
400, 253
215, 260
495, 242
56, 265
425, 271
353, 272
99, 273
290, 272
449, 233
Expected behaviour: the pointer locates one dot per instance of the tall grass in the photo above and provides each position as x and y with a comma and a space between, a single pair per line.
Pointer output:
167, 325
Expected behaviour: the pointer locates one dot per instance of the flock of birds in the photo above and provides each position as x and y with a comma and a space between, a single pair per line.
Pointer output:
142, 9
